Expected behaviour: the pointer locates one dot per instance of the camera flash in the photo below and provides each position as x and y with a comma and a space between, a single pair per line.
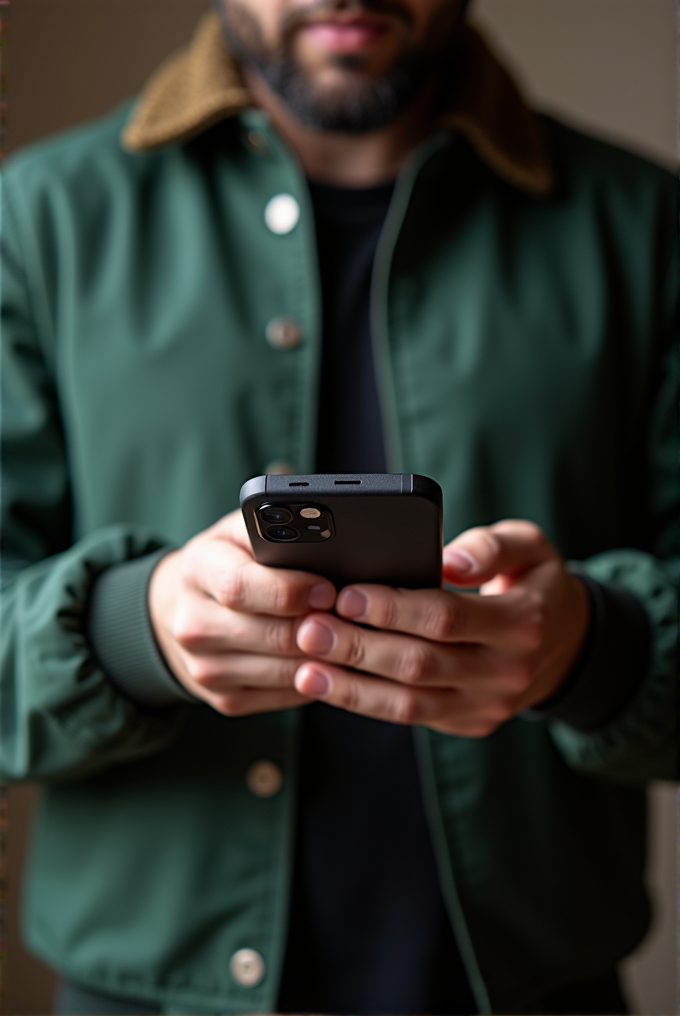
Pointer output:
310, 513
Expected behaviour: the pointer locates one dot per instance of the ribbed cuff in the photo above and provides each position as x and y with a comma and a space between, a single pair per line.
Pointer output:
612, 664
122, 639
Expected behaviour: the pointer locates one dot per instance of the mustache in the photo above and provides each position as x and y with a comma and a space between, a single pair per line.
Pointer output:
315, 10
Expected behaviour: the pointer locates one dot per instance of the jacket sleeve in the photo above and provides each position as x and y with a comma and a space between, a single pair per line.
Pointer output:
59, 714
640, 742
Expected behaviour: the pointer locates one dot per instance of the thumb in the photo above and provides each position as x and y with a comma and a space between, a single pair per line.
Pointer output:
508, 548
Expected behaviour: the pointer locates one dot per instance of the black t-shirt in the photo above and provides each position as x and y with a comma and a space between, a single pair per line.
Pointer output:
348, 225
369, 932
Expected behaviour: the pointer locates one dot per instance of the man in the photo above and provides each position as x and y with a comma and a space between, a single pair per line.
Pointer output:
330, 236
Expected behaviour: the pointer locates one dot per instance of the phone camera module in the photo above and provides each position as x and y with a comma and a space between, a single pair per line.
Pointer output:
272, 515
294, 522
283, 534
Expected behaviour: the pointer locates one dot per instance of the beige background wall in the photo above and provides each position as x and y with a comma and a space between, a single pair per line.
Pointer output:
608, 65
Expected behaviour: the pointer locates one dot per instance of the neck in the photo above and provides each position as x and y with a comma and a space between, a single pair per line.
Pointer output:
348, 160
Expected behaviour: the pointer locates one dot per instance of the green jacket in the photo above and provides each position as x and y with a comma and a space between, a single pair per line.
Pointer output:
524, 350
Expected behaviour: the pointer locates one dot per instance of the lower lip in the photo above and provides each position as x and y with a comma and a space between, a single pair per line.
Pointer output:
345, 38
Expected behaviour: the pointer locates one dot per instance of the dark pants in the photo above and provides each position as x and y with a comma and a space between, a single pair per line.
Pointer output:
596, 998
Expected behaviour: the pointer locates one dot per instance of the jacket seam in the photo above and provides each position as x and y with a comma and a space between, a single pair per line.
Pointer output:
28, 249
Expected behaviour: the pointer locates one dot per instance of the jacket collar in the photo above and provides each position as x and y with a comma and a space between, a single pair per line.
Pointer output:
201, 84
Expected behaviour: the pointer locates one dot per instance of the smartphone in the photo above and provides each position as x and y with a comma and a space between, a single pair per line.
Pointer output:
361, 527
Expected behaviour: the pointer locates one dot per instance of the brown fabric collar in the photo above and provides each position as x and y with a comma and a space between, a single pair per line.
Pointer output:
201, 84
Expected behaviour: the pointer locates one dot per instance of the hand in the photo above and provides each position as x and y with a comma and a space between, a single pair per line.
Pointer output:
227, 625
461, 663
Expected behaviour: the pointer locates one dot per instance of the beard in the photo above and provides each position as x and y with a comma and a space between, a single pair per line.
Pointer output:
361, 103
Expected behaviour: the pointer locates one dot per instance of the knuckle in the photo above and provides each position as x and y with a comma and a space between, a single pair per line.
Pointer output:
287, 670
187, 629
188, 561
239, 631
388, 613
280, 637
356, 650
285, 597
407, 709
200, 670
350, 697
491, 544
231, 705
232, 588
440, 620
535, 534
212, 683
416, 664
482, 542
535, 620
536, 538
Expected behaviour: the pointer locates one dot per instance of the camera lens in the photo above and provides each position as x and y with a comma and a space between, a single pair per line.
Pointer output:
274, 515
284, 534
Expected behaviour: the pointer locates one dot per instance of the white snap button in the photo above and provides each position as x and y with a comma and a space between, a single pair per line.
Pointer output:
247, 967
264, 779
283, 333
282, 214
279, 468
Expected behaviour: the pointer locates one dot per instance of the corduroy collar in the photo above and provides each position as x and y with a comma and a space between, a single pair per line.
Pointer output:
201, 85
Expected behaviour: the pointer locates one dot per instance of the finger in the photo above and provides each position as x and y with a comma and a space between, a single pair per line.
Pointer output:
246, 701
442, 709
370, 696
511, 621
506, 548
202, 627
228, 574
227, 673
232, 527
406, 659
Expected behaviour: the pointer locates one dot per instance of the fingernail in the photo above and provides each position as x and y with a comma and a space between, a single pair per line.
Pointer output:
352, 603
460, 561
315, 637
312, 683
322, 596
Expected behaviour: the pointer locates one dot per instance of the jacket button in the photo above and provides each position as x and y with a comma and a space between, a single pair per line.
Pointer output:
264, 779
279, 468
283, 333
247, 967
282, 214
256, 142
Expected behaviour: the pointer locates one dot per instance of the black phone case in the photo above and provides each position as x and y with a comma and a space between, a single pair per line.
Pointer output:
382, 527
